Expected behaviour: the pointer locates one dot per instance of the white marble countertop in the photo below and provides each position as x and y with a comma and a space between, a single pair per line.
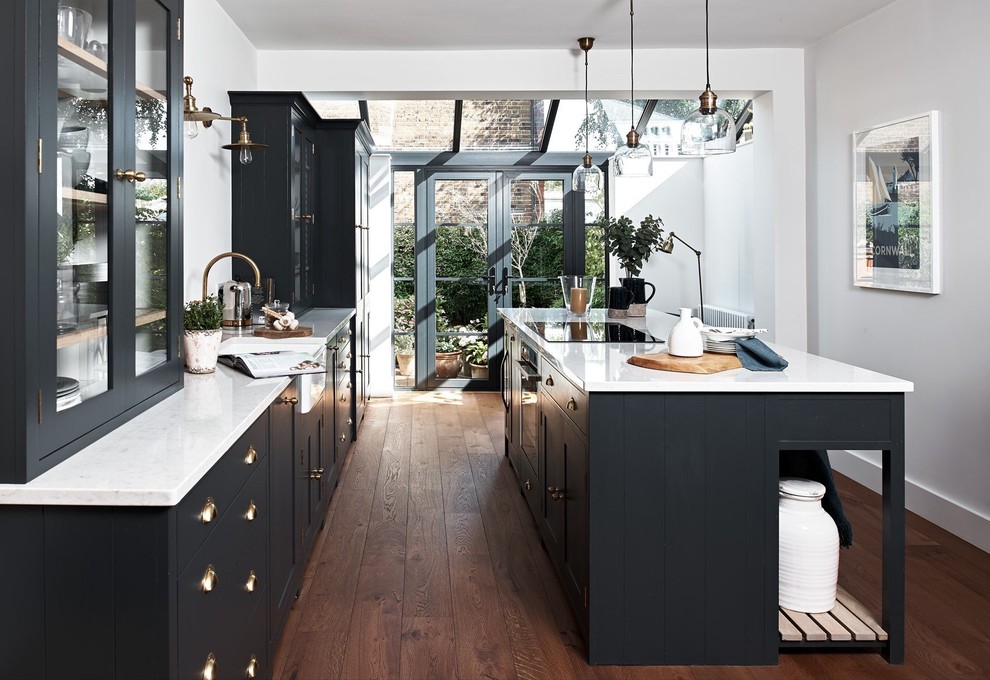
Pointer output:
602, 366
157, 457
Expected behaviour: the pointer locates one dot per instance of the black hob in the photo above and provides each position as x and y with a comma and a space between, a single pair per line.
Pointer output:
589, 331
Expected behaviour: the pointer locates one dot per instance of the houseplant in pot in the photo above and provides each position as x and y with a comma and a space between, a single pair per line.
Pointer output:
632, 245
405, 353
476, 355
448, 357
201, 341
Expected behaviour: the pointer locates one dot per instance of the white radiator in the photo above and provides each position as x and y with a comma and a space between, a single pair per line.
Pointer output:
727, 318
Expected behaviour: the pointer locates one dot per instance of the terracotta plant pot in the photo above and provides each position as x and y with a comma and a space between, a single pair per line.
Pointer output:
479, 372
448, 364
201, 349
405, 362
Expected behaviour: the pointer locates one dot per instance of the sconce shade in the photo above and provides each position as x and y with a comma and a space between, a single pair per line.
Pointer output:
709, 130
632, 159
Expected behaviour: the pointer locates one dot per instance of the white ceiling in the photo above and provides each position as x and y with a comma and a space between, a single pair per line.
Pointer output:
537, 24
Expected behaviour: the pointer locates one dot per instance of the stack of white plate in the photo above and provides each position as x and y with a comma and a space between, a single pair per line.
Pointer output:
723, 340
67, 393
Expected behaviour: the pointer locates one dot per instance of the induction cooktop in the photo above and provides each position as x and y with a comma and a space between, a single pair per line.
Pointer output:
589, 331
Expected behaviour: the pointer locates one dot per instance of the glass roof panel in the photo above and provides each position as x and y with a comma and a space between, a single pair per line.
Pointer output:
609, 123
503, 124
338, 108
412, 125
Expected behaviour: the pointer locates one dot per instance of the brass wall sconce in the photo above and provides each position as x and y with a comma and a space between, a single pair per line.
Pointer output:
193, 116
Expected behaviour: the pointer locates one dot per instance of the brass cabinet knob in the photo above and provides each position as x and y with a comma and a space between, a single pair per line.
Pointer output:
210, 668
252, 582
571, 404
252, 668
529, 487
559, 496
552, 489
549, 381
348, 355
210, 579
252, 511
350, 332
316, 473
343, 397
342, 364
343, 437
130, 175
251, 456
348, 386
350, 422
289, 400
209, 511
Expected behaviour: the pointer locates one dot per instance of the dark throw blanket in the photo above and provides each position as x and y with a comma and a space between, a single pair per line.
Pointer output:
814, 465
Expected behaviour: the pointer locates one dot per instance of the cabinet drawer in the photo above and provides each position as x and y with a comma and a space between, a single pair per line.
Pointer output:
344, 419
252, 653
571, 400
343, 360
218, 564
218, 489
232, 626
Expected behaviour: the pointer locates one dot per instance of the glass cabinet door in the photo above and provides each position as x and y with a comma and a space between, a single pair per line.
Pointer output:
152, 218
80, 189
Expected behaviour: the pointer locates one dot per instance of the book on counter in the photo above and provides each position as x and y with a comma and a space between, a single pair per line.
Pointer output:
274, 364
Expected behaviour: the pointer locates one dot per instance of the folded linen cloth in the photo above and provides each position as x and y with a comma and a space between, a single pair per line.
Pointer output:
815, 465
754, 355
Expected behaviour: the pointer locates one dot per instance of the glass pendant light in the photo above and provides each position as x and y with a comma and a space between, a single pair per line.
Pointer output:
633, 159
587, 176
709, 130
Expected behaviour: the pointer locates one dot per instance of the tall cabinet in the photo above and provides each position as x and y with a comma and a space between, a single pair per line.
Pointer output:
90, 183
300, 210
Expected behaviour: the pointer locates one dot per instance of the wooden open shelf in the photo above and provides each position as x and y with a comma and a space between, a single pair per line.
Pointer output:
848, 624
78, 55
82, 195
143, 318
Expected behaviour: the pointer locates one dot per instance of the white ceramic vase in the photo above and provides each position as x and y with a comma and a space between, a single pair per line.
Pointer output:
685, 337
201, 349
808, 559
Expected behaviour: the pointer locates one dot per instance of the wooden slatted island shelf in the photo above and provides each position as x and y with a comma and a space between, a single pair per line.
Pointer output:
848, 624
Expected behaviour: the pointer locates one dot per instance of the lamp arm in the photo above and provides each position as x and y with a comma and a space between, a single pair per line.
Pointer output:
695, 250
701, 288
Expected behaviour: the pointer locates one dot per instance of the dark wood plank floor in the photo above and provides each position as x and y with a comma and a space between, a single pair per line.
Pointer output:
430, 567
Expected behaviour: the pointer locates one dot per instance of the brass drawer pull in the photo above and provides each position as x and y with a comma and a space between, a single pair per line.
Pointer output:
316, 473
549, 382
343, 437
210, 580
289, 400
210, 669
251, 457
209, 511
571, 404
348, 386
252, 512
343, 397
528, 486
556, 493
252, 582
350, 422
130, 175
252, 668
342, 365
348, 355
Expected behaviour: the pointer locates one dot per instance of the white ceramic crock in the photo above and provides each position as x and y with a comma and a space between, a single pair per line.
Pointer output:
808, 559
685, 337
201, 349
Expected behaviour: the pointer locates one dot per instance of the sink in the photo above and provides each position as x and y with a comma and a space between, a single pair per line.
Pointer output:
310, 386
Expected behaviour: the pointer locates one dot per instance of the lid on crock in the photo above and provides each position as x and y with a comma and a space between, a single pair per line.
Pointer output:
803, 489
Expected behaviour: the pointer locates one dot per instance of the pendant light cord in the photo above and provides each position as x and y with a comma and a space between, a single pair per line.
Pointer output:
632, 70
587, 124
708, 77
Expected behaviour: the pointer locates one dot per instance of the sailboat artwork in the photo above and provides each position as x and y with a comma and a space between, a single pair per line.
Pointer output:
895, 200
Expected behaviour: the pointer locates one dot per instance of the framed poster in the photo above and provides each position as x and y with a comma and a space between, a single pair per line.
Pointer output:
896, 240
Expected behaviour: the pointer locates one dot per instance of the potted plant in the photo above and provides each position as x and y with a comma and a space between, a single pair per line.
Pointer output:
632, 246
201, 342
405, 348
448, 357
476, 355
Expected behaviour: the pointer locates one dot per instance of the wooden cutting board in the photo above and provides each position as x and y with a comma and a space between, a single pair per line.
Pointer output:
707, 363
272, 334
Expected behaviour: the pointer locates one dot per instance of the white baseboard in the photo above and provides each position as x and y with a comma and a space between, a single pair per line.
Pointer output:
965, 523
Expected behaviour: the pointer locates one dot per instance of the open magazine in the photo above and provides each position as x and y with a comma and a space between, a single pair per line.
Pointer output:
273, 364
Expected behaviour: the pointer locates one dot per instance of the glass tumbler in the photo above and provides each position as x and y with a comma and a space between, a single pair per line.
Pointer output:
578, 292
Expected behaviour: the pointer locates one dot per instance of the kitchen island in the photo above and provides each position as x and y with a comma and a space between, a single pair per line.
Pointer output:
656, 492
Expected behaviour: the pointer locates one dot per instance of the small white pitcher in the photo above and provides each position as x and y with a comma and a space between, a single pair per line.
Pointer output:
685, 338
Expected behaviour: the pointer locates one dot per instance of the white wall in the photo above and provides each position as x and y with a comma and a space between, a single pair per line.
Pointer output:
380, 300
728, 252
219, 58
775, 77
909, 58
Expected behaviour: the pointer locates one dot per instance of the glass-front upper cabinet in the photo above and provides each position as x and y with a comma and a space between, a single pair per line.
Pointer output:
303, 205
108, 240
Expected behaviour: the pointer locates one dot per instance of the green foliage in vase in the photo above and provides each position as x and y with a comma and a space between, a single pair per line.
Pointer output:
632, 245
447, 345
405, 344
476, 352
203, 315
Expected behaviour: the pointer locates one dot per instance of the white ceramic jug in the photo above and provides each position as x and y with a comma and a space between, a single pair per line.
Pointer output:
685, 338
808, 559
